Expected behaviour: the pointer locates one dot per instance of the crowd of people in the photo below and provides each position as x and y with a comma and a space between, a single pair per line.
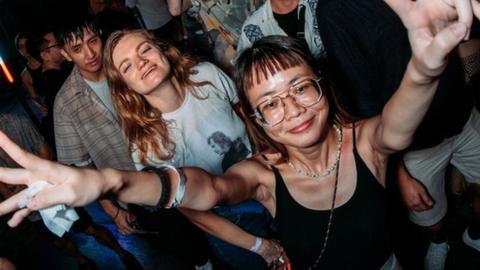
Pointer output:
281, 160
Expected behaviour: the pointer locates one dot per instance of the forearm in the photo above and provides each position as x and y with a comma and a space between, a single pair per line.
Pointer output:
220, 227
176, 7
406, 109
141, 188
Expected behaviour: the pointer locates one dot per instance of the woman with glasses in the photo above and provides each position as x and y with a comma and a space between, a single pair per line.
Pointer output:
326, 191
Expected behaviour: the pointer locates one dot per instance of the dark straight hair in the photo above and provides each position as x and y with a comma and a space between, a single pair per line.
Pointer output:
73, 27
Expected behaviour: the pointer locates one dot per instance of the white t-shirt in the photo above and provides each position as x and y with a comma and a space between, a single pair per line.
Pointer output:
207, 132
100, 88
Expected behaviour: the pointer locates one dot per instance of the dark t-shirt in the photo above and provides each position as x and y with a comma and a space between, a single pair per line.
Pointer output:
288, 22
368, 50
52, 81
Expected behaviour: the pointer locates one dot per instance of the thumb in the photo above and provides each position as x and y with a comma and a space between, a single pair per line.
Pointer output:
426, 198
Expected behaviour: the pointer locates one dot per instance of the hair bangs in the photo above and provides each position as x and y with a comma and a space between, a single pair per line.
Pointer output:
267, 64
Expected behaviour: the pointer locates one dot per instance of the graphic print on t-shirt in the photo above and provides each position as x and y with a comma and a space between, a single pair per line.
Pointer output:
233, 151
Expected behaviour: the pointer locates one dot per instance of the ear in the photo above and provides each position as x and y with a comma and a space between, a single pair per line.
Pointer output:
65, 54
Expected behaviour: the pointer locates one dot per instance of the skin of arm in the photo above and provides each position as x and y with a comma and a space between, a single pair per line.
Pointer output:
27, 82
176, 7
222, 228
393, 129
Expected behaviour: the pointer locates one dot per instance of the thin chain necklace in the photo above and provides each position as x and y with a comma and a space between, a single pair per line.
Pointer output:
329, 170
330, 218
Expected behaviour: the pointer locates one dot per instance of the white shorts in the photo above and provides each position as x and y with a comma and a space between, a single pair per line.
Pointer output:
429, 166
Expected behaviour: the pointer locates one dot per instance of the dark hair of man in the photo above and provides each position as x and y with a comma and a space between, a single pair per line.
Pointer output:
73, 28
264, 59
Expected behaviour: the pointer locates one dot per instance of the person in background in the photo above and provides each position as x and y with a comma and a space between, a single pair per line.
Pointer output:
287, 18
45, 49
162, 17
30, 76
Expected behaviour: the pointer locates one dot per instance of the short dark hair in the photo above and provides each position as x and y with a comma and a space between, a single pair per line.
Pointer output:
74, 26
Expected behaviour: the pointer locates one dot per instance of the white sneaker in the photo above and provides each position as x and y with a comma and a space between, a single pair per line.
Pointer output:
207, 266
470, 242
436, 256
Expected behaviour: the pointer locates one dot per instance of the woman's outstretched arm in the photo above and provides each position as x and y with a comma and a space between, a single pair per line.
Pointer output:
78, 187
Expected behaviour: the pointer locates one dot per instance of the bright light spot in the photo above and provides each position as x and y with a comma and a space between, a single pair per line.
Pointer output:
6, 71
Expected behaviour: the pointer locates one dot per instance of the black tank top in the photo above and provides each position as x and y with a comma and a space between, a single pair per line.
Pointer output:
359, 236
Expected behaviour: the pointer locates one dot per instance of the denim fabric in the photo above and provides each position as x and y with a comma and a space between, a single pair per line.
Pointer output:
251, 220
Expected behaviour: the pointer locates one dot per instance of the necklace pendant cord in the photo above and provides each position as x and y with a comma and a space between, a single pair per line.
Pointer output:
330, 217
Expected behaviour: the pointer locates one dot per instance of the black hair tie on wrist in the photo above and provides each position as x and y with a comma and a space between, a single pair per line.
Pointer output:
165, 181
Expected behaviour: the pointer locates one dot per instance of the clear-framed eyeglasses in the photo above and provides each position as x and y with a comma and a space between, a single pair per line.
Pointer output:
305, 93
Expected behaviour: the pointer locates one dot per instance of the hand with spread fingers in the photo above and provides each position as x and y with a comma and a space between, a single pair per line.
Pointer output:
71, 186
435, 28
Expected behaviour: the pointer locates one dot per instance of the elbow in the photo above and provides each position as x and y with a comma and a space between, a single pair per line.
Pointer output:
174, 11
396, 145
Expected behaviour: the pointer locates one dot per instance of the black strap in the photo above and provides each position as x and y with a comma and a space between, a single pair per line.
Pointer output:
301, 23
354, 137
165, 181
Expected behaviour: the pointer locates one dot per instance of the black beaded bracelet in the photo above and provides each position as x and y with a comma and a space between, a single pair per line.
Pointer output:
165, 181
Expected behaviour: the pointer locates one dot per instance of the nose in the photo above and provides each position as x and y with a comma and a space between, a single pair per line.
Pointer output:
291, 108
90, 52
141, 62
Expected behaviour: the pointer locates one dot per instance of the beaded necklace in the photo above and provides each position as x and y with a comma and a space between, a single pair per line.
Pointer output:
329, 170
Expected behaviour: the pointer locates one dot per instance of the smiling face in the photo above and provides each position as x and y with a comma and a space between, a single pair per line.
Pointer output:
142, 65
300, 127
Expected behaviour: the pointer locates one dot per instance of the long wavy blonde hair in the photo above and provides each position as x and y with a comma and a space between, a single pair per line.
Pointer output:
143, 124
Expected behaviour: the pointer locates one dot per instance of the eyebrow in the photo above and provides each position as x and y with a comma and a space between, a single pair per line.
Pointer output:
271, 92
136, 49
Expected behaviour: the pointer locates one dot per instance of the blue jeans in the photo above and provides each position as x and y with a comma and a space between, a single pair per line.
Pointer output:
251, 217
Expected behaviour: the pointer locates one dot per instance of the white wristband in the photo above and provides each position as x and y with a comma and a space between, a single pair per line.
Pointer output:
258, 243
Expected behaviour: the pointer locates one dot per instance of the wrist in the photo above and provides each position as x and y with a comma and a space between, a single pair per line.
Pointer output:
421, 76
256, 246
113, 181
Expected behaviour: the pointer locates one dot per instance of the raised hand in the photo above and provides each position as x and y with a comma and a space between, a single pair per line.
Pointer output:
71, 186
435, 27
